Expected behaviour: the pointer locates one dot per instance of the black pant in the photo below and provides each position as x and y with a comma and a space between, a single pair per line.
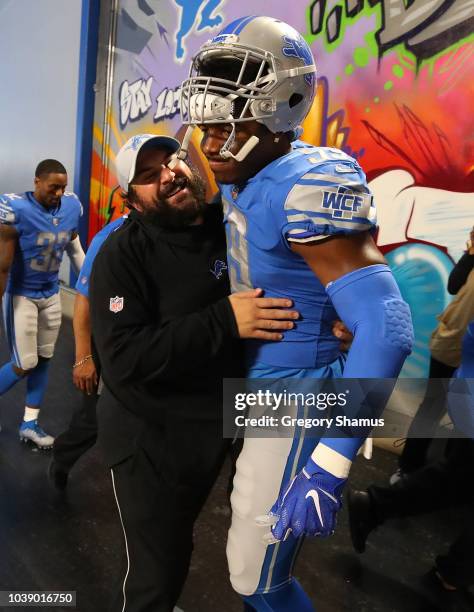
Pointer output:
161, 477
81, 434
446, 483
427, 418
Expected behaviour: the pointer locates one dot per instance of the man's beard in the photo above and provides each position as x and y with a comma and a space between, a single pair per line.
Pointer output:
168, 216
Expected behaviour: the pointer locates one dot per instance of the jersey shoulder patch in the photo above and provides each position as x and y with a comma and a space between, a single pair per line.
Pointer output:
330, 198
74, 200
10, 204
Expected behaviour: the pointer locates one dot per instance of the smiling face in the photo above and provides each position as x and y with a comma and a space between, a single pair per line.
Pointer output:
230, 171
49, 188
174, 196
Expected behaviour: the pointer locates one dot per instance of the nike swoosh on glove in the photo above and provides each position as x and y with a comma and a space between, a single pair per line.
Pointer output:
309, 504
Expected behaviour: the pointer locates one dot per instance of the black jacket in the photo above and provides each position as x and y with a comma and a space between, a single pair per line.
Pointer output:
172, 337
460, 272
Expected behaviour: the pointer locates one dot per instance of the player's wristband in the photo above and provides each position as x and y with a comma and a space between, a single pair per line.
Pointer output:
330, 460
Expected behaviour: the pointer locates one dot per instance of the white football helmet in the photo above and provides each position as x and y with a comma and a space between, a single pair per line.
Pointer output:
257, 68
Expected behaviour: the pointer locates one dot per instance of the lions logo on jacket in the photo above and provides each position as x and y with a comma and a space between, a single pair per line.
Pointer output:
219, 267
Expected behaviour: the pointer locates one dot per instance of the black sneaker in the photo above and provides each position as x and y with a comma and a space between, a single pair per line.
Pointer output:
361, 518
57, 475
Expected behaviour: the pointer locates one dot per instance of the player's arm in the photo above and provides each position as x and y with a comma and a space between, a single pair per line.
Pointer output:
8, 242
368, 301
178, 347
84, 369
328, 216
75, 252
84, 372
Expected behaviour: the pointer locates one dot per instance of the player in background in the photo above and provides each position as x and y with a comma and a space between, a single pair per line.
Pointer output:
299, 223
36, 227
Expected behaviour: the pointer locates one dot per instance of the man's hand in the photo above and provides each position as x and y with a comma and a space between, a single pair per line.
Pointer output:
256, 315
85, 377
308, 505
340, 331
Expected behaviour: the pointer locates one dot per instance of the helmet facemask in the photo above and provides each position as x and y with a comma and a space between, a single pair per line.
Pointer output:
231, 80
229, 85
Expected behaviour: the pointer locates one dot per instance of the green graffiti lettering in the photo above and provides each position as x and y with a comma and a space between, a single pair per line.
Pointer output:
422, 30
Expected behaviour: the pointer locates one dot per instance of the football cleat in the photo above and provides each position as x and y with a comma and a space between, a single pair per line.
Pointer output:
31, 431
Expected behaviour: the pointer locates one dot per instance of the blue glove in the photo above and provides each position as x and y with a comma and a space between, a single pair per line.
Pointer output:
309, 504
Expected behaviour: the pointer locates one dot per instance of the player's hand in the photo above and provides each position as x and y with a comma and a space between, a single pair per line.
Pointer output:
85, 377
340, 331
308, 505
260, 317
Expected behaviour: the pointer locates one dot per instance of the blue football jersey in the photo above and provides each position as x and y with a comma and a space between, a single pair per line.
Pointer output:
309, 194
82, 285
43, 234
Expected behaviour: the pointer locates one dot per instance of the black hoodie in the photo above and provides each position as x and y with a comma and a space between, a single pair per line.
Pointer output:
169, 337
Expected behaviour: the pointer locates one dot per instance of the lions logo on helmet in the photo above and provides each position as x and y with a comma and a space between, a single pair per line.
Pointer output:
234, 79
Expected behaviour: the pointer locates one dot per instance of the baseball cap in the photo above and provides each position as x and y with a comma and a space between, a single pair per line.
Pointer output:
126, 159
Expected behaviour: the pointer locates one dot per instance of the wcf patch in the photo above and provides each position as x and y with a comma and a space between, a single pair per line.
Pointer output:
344, 202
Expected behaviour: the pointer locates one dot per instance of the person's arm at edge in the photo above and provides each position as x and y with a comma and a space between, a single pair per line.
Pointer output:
84, 372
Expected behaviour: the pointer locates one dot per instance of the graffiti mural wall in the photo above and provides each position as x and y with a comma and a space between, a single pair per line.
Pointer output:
395, 91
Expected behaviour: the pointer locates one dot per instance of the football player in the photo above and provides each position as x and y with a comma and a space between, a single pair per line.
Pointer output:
36, 227
299, 222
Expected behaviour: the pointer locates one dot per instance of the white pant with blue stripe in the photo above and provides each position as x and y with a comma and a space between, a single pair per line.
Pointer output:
263, 467
32, 327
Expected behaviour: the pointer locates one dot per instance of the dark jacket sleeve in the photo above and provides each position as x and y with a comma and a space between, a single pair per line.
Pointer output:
131, 344
460, 272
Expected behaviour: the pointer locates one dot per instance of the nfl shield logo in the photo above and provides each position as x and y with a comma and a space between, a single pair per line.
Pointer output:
116, 304
55, 221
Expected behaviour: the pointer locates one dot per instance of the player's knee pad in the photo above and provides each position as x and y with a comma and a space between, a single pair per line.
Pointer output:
53, 321
243, 487
46, 351
29, 362
50, 323
260, 469
236, 564
241, 501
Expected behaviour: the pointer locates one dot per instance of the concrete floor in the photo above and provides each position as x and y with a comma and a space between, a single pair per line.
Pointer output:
51, 541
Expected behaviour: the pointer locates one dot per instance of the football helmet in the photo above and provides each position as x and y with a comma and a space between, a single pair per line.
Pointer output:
257, 68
